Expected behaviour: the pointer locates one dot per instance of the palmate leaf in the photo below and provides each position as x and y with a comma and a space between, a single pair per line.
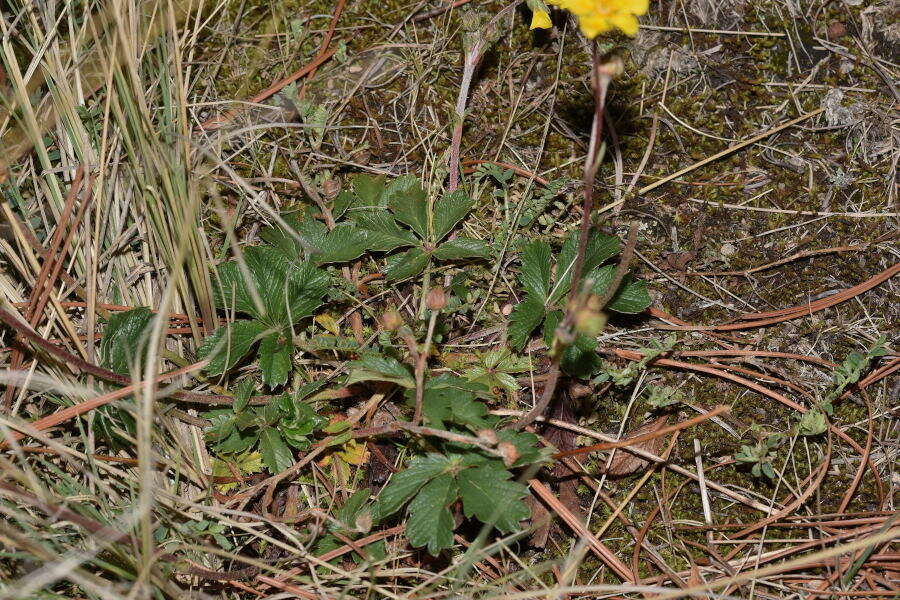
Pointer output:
275, 452
404, 485
231, 292
409, 203
275, 359
523, 320
488, 494
448, 399
632, 296
286, 241
368, 190
125, 339
430, 522
535, 273
462, 248
450, 210
600, 248
344, 242
382, 232
287, 291
227, 345
380, 368
406, 264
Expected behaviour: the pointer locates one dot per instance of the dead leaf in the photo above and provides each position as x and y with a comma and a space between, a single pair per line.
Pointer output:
626, 463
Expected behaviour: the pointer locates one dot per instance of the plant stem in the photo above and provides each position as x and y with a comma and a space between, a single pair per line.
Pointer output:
601, 75
473, 57
421, 363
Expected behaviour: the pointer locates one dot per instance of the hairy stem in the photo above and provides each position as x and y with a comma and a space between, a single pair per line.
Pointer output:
601, 76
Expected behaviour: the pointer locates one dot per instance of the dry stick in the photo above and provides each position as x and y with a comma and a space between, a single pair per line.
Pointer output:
412, 427
22, 232
45, 279
650, 457
421, 364
472, 58
794, 312
216, 122
782, 261
88, 405
87, 367
729, 150
439, 11
603, 552
664, 362
326, 41
865, 458
647, 436
829, 300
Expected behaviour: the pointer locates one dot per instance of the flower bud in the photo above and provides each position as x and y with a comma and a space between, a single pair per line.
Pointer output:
487, 436
391, 320
509, 453
436, 299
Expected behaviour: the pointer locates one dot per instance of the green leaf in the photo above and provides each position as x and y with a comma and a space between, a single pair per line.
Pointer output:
554, 318
523, 320
408, 202
535, 274
462, 248
450, 210
306, 285
405, 484
230, 290
332, 342
380, 368
382, 232
348, 514
286, 240
813, 422
430, 522
600, 248
227, 345
444, 405
288, 291
125, 339
406, 264
344, 242
581, 359
342, 204
368, 189
275, 452
243, 391
488, 494
632, 296
275, 359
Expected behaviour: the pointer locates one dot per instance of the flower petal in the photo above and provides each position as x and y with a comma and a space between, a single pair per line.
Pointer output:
540, 20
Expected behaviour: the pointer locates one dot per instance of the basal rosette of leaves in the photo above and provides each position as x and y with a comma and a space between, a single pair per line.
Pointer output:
273, 429
276, 294
547, 284
451, 472
384, 217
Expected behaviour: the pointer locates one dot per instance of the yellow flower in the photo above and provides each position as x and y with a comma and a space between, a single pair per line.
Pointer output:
599, 16
540, 20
